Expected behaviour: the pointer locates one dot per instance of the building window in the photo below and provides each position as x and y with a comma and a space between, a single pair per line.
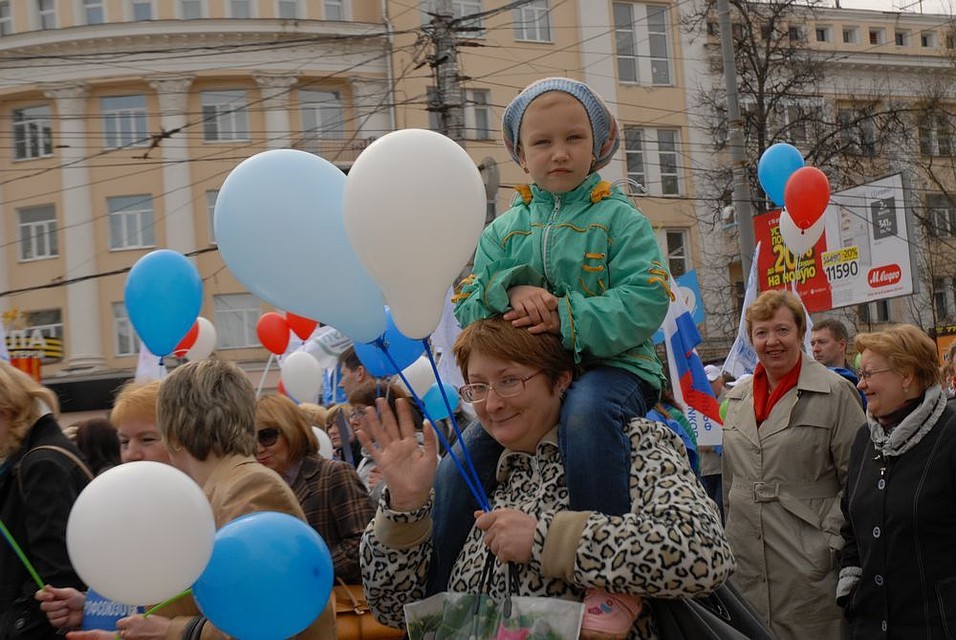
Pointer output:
142, 9
936, 135
940, 217
901, 37
941, 298
93, 11
673, 243
433, 106
6, 18
288, 9
459, 9
240, 9
225, 115
37, 232
877, 36
211, 197
653, 159
46, 14
131, 222
823, 34
124, 121
322, 118
878, 311
125, 340
643, 43
857, 132
236, 318
951, 41
851, 35
927, 39
32, 133
795, 34
334, 9
478, 115
532, 21
190, 9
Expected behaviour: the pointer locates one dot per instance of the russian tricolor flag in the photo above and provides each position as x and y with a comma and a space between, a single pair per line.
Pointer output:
691, 388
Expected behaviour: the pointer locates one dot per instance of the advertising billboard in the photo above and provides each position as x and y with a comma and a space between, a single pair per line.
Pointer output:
862, 256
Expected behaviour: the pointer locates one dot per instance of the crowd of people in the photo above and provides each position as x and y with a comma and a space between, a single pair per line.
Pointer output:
829, 506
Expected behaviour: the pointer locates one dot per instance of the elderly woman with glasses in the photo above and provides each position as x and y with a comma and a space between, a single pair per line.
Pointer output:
898, 575
335, 502
670, 544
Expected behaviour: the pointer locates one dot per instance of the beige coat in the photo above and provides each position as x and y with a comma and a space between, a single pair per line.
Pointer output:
782, 486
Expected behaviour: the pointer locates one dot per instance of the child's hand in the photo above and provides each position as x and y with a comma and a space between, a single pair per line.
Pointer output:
532, 307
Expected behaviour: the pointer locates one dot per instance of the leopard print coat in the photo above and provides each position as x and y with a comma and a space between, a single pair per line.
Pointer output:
670, 545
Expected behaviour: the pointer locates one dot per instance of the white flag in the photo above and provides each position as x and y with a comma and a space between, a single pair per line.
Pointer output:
150, 366
4, 354
742, 357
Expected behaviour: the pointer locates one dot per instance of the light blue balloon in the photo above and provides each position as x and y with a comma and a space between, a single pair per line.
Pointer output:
434, 403
279, 228
404, 350
775, 167
269, 577
163, 297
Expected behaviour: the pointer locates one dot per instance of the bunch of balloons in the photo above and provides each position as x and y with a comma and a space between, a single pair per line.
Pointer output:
803, 191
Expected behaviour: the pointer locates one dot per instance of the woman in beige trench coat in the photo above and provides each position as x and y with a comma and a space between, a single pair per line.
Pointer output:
787, 438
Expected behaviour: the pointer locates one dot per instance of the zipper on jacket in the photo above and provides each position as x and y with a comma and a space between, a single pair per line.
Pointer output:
547, 237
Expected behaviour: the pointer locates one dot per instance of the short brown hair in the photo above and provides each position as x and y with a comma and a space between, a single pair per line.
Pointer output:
836, 328
907, 349
279, 412
135, 401
18, 395
368, 391
316, 414
208, 407
499, 339
767, 304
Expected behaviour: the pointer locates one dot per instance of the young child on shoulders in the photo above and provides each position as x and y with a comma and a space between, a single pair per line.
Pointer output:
575, 258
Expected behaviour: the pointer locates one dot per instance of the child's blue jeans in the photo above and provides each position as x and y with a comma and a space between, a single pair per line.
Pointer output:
594, 446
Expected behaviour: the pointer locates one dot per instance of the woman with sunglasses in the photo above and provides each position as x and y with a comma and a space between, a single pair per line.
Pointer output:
330, 492
670, 544
898, 569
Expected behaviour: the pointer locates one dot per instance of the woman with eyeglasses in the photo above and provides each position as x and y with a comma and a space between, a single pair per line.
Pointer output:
787, 436
330, 492
670, 544
898, 568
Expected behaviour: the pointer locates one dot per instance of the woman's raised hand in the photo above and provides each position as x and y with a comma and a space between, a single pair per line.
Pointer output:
407, 467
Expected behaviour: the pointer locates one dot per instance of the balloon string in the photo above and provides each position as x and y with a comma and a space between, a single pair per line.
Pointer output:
473, 484
23, 557
451, 414
265, 371
167, 601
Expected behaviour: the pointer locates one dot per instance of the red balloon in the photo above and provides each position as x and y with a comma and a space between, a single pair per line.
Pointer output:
273, 332
281, 389
187, 342
302, 327
806, 196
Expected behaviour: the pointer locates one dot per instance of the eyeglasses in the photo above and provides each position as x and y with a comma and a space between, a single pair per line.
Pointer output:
267, 437
866, 375
505, 388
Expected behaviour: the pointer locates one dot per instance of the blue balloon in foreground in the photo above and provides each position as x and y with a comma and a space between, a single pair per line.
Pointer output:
404, 350
775, 167
435, 404
163, 297
269, 577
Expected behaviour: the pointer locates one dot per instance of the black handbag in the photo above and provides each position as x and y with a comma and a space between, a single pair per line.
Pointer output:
723, 615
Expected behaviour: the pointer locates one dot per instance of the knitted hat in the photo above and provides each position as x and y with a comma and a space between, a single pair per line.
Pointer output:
604, 127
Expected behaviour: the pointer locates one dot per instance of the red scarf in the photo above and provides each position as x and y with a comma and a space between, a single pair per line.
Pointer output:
764, 399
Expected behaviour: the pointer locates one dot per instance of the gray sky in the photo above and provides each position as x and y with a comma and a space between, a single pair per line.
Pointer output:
945, 7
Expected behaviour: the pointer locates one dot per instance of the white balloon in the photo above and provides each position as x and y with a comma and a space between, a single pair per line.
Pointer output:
205, 341
420, 375
414, 207
798, 240
326, 450
140, 533
302, 376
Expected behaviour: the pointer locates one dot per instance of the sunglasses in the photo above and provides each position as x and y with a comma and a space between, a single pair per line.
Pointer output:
267, 437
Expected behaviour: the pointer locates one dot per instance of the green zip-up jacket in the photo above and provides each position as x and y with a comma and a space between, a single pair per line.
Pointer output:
597, 254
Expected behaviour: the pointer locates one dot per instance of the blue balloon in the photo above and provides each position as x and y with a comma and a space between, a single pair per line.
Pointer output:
270, 576
404, 350
775, 167
434, 403
163, 298
280, 230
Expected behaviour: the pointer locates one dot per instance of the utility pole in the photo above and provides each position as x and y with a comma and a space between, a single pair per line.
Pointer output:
738, 153
447, 79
